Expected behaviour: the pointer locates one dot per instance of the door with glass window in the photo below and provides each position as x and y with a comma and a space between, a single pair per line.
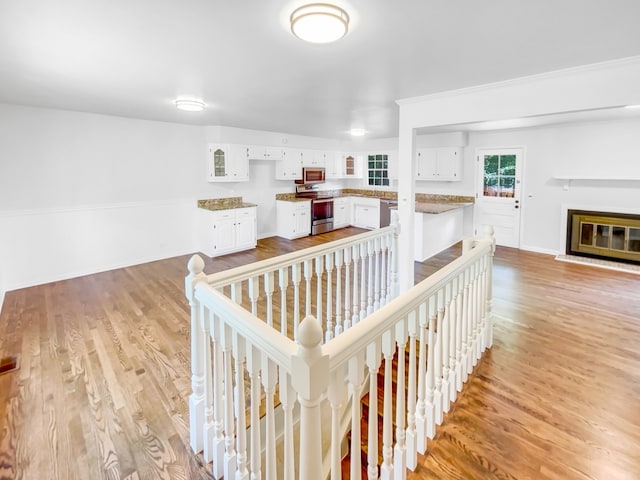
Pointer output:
498, 194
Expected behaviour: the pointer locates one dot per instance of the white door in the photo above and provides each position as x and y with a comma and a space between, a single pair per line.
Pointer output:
498, 193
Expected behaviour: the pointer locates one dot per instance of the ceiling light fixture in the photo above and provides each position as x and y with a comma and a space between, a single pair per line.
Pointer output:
319, 23
190, 105
358, 132
632, 107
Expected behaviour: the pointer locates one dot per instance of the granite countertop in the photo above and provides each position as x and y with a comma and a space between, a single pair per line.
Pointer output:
425, 202
228, 203
442, 207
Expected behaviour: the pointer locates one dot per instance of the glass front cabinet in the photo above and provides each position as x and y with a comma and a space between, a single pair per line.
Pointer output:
227, 163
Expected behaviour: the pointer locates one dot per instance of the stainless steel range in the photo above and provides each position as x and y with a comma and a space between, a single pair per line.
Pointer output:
321, 208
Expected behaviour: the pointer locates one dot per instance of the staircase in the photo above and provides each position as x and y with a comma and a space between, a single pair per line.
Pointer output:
362, 327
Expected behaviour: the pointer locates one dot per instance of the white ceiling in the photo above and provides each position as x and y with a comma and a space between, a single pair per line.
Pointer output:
132, 58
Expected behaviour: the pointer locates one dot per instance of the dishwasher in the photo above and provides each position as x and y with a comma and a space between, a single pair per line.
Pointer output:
386, 206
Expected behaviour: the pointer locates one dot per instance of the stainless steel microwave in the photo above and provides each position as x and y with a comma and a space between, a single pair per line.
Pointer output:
311, 175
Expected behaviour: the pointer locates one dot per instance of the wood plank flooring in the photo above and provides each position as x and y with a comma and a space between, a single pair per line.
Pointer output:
103, 384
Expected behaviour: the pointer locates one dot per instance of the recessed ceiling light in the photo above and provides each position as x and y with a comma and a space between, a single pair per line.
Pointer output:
319, 23
357, 132
190, 105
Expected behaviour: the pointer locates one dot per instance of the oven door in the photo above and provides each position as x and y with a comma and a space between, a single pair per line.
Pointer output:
321, 215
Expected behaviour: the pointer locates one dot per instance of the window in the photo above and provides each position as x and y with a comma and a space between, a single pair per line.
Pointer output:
499, 175
378, 167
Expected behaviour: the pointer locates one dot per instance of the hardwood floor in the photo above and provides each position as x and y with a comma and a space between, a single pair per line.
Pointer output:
103, 383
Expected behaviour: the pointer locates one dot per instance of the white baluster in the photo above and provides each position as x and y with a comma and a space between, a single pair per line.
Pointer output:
254, 361
437, 360
347, 288
283, 277
287, 399
474, 319
328, 258
268, 290
388, 349
459, 331
308, 273
465, 326
425, 393
254, 294
411, 435
319, 270
445, 347
198, 339
355, 378
336, 396
242, 473
430, 410
356, 259
383, 271
400, 449
218, 400
489, 236
377, 273
209, 427
269, 380
229, 424
373, 363
236, 292
453, 335
395, 287
370, 280
363, 282
338, 259
295, 278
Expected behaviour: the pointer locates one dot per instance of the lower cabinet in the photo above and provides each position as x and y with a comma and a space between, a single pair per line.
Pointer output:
341, 212
365, 212
227, 231
293, 218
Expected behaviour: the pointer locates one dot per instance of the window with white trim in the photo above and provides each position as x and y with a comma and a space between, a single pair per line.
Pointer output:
378, 170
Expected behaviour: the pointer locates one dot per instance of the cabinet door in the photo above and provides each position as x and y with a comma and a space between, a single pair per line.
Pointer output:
352, 165
302, 221
449, 161
238, 163
217, 160
333, 165
290, 167
341, 210
245, 229
366, 216
224, 233
426, 164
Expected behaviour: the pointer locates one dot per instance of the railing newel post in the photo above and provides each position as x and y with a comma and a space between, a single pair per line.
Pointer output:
310, 379
198, 337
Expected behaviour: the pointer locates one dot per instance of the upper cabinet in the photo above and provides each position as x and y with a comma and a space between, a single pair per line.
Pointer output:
290, 167
439, 164
261, 152
227, 163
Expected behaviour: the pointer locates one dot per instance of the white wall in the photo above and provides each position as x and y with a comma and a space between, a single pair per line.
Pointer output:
604, 149
81, 193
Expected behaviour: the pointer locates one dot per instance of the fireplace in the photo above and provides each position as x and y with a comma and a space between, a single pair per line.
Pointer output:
610, 236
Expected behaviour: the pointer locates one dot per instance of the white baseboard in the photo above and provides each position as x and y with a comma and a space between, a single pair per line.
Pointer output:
530, 248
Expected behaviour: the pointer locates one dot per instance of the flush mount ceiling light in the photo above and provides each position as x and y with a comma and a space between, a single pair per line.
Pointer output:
190, 105
319, 23
357, 132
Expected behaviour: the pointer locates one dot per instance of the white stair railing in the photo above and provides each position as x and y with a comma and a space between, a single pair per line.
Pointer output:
443, 324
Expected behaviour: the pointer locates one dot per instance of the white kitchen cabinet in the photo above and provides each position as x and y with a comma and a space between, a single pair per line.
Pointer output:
293, 218
352, 165
262, 152
439, 164
341, 212
365, 212
333, 166
290, 167
226, 231
227, 163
